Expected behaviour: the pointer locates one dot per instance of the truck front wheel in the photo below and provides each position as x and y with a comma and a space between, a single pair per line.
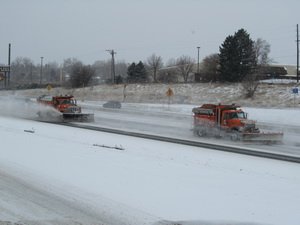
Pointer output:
235, 136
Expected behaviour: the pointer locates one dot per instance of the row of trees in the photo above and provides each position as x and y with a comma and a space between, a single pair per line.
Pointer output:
153, 70
75, 74
237, 61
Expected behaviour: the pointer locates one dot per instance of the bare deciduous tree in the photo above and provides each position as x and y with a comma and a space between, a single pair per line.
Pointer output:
121, 68
81, 75
169, 73
51, 72
250, 84
22, 69
103, 69
261, 50
154, 63
209, 70
68, 65
184, 66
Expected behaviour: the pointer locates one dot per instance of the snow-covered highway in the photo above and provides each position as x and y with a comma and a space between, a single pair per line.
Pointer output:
147, 182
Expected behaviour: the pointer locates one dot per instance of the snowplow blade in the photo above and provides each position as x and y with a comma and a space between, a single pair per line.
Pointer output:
78, 117
263, 137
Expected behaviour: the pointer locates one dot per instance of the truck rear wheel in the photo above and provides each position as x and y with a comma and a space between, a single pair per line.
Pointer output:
201, 132
216, 132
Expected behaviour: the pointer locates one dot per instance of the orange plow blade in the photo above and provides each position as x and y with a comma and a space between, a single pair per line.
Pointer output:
263, 137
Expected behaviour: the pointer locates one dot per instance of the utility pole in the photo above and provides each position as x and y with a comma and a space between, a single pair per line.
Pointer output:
198, 60
297, 54
41, 75
113, 76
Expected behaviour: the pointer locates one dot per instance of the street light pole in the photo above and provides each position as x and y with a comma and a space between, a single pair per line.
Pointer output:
41, 75
8, 75
297, 55
198, 60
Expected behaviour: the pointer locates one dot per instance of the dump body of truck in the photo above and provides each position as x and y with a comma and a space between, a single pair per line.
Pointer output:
67, 106
229, 121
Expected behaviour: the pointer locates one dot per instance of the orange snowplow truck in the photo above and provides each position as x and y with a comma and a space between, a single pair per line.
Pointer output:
67, 105
230, 122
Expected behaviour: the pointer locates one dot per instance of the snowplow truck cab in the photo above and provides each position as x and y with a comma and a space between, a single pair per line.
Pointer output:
229, 121
66, 104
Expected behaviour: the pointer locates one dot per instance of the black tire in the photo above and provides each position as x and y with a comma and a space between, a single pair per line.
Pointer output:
235, 136
201, 132
216, 132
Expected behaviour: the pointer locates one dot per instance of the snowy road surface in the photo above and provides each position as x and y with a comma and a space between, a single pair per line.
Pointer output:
148, 181
24, 203
176, 121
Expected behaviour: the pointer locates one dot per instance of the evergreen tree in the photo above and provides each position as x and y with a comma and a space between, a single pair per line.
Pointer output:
136, 73
131, 73
141, 72
237, 57
119, 79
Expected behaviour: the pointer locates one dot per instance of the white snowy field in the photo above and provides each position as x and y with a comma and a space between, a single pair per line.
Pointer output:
149, 181
276, 94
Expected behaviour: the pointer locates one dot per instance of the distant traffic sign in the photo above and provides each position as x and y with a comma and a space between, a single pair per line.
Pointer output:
169, 92
49, 87
4, 68
295, 90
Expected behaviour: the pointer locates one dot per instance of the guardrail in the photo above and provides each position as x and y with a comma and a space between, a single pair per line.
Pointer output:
226, 148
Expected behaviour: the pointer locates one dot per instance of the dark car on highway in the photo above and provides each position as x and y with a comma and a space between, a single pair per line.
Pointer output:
112, 104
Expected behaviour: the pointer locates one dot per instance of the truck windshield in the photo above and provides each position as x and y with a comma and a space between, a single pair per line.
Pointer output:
68, 101
237, 115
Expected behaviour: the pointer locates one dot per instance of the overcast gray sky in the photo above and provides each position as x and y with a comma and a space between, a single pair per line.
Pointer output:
135, 29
